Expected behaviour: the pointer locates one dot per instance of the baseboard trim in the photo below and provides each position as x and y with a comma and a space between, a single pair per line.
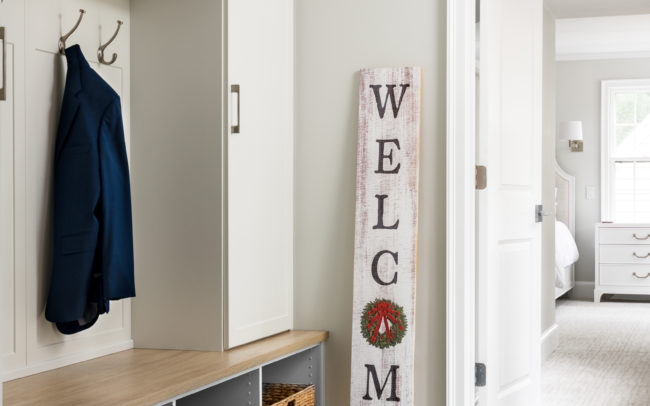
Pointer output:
67, 360
583, 290
550, 341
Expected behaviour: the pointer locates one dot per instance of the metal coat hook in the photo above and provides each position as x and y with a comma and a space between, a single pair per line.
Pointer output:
100, 51
65, 37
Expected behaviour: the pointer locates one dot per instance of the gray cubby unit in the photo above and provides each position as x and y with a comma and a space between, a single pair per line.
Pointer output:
304, 366
241, 390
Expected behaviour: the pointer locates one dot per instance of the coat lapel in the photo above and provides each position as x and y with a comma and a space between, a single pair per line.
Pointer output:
70, 105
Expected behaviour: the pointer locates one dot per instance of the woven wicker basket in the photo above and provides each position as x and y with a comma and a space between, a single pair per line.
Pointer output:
281, 394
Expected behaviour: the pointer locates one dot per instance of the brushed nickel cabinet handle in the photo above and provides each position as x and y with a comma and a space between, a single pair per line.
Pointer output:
234, 128
3, 56
640, 238
641, 256
641, 277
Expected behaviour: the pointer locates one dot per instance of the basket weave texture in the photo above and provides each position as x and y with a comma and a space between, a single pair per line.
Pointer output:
282, 394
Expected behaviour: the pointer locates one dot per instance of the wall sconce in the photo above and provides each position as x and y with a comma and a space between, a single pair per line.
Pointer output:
572, 131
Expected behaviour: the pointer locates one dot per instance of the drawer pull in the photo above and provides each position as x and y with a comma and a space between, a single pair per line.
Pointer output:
640, 238
641, 256
641, 277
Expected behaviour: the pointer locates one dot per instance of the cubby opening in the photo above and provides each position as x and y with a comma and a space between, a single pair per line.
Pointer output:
241, 390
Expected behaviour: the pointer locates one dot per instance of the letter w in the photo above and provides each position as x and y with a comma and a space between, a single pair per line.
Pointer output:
390, 94
375, 380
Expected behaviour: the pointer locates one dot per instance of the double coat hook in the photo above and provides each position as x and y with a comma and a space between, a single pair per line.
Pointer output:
100, 51
65, 37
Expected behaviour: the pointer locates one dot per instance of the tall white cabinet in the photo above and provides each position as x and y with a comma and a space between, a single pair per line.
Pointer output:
12, 191
260, 169
213, 171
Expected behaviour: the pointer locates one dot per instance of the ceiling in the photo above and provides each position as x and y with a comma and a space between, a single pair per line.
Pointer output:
597, 8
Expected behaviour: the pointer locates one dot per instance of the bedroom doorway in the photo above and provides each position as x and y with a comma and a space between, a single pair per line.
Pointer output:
494, 234
595, 240
595, 347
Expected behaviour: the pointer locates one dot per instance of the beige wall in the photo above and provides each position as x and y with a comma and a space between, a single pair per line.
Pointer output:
578, 98
334, 39
548, 173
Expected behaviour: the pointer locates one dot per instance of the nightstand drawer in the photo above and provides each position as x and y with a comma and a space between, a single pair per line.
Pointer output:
624, 254
625, 275
622, 235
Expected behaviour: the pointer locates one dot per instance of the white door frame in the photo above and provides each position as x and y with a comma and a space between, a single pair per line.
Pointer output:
461, 133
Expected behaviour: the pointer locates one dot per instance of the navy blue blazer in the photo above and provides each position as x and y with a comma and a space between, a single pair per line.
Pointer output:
93, 240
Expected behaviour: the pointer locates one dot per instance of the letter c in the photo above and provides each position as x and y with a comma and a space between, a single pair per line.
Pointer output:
375, 263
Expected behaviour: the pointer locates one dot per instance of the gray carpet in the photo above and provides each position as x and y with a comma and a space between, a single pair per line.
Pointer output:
603, 357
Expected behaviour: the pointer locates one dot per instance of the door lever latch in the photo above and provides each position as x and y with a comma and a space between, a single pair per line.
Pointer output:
540, 213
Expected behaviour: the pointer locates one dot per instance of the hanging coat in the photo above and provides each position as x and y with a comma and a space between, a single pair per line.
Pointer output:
93, 240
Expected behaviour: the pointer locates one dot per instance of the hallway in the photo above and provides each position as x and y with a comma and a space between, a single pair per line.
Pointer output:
603, 357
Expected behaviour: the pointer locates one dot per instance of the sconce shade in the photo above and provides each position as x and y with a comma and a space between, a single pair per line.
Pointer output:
571, 130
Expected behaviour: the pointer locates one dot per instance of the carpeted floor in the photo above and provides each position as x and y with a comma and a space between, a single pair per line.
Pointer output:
603, 357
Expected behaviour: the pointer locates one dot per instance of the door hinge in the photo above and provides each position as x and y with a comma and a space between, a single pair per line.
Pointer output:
481, 177
479, 373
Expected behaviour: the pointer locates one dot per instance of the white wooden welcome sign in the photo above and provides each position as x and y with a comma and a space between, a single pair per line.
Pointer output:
383, 333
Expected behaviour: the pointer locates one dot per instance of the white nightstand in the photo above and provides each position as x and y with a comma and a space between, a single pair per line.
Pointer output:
622, 259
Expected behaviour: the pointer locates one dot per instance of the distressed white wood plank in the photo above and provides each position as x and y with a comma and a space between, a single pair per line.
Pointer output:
386, 237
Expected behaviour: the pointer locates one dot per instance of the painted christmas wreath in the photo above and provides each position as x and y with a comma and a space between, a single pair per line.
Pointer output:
383, 323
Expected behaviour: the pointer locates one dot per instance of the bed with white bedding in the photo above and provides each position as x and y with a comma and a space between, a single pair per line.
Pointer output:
566, 251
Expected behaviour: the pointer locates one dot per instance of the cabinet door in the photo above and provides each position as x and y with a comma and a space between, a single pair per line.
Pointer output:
12, 195
259, 275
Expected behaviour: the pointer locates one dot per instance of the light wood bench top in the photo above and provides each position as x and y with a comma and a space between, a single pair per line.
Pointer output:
146, 377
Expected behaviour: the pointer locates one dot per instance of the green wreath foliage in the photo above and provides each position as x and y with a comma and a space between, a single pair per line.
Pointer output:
371, 317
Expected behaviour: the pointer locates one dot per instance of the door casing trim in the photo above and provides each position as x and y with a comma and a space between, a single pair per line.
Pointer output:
460, 233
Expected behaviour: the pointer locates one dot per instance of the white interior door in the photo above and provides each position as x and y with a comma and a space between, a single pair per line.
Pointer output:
260, 170
509, 238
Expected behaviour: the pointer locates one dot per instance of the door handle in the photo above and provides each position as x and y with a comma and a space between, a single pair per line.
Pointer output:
234, 121
641, 277
540, 213
640, 238
641, 256
3, 56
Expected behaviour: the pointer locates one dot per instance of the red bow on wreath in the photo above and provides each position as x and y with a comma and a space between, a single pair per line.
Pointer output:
381, 313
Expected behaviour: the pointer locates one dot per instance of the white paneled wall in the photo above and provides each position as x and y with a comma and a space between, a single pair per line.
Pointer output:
30, 343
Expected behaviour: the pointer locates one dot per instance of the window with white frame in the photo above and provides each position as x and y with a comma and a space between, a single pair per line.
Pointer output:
625, 161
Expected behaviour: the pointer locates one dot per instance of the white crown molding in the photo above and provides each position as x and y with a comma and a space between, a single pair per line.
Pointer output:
617, 37
601, 55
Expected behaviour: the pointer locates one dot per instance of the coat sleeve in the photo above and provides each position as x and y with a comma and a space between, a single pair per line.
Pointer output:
114, 209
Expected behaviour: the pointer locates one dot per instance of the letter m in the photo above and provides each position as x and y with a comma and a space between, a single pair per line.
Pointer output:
380, 389
390, 94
